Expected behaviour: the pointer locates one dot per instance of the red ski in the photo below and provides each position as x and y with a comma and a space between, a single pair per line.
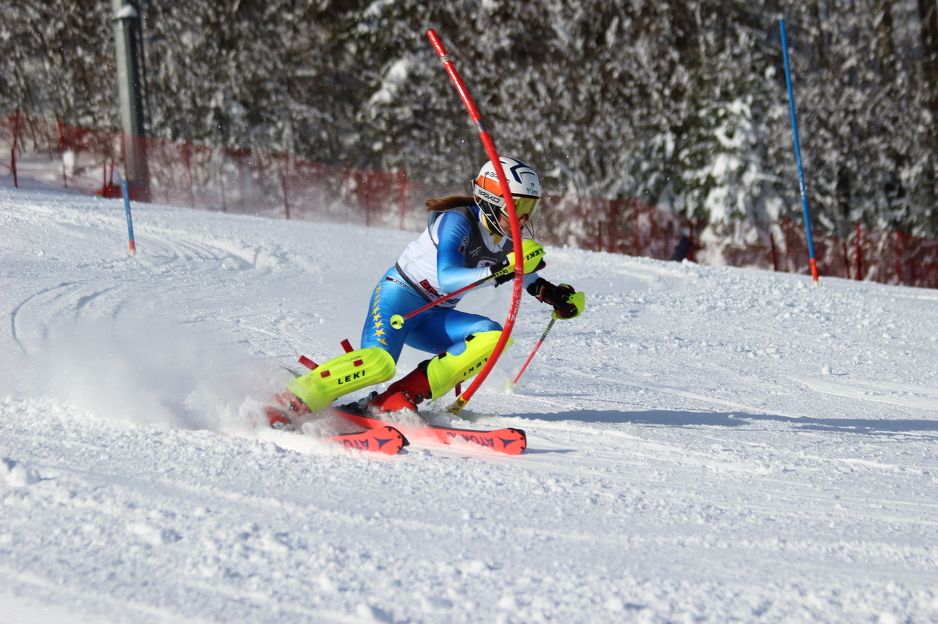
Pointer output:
510, 441
387, 440
379, 439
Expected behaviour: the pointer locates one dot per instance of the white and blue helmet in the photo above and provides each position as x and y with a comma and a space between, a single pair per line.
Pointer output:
523, 183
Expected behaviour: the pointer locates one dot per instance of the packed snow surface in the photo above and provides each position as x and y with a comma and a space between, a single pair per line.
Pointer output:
705, 444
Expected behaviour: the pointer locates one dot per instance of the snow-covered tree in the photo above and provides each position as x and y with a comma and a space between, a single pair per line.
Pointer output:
680, 104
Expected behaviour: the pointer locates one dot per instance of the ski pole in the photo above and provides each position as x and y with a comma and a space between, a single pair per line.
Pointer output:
397, 321
540, 341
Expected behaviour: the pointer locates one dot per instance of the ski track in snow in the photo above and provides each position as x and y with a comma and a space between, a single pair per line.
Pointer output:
705, 444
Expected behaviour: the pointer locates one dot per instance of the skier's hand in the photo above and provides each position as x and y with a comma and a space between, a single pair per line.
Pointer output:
567, 302
533, 261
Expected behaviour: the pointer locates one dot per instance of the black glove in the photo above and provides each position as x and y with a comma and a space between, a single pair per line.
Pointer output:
556, 296
501, 279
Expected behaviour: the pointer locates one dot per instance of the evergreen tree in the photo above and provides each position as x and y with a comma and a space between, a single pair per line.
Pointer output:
680, 104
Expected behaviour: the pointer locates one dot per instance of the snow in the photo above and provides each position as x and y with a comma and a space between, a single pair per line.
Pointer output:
705, 443
396, 77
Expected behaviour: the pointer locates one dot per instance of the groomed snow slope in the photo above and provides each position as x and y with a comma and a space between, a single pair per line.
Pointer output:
705, 444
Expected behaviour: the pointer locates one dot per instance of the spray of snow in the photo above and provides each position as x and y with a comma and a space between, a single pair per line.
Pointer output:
705, 443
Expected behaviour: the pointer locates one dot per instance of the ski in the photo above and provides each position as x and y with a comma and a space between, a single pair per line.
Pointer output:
386, 440
380, 439
509, 440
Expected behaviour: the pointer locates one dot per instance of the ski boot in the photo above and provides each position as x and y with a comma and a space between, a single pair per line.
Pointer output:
405, 393
282, 411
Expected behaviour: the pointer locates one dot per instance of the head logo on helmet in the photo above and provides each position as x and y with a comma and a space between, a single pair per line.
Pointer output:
523, 184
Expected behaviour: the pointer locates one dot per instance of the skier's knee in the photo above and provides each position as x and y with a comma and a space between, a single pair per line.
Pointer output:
483, 325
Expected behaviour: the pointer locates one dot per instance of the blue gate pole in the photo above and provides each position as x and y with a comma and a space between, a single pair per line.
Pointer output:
131, 244
797, 142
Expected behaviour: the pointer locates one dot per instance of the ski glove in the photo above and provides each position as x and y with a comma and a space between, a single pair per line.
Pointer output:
567, 302
533, 261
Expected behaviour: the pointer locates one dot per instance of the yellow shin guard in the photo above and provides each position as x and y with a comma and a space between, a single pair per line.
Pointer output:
446, 370
341, 375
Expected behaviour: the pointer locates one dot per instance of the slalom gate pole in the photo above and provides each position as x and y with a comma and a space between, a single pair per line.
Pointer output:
797, 144
131, 244
16, 136
537, 346
489, 146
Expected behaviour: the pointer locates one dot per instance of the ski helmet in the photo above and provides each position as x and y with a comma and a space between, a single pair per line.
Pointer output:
523, 184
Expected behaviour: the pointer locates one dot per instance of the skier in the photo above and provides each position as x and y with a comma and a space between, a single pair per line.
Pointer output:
466, 239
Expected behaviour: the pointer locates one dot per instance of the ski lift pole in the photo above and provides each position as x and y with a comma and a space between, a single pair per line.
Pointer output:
450, 67
797, 144
540, 341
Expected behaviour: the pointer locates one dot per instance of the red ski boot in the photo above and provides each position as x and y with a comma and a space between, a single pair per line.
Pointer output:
283, 408
405, 393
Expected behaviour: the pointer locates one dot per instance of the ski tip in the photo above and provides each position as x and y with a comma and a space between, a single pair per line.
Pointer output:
509, 441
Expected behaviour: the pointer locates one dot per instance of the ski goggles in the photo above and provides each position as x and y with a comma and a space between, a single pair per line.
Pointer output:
489, 193
524, 204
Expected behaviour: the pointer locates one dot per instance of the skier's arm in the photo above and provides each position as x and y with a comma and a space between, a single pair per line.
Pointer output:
453, 235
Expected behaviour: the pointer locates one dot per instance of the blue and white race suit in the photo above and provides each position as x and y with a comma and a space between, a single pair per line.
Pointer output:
454, 251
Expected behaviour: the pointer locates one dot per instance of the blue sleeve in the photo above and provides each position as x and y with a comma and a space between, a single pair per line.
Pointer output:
454, 235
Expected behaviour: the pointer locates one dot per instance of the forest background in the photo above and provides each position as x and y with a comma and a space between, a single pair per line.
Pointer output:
680, 104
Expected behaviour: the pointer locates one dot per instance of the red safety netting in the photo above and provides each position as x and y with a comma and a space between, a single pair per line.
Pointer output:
891, 257
282, 185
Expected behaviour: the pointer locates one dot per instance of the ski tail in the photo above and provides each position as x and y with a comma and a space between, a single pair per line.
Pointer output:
284, 408
386, 440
